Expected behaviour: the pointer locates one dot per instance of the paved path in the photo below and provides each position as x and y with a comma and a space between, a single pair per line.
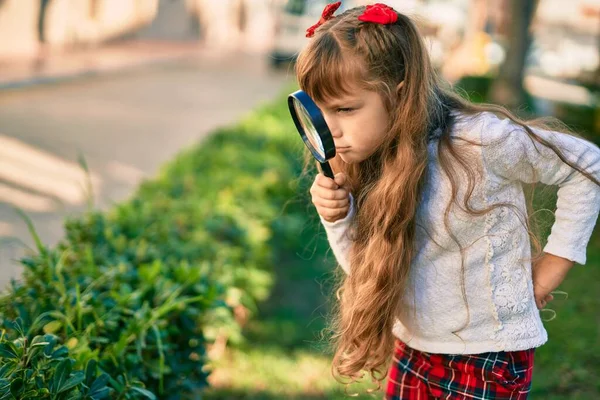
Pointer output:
126, 124
58, 66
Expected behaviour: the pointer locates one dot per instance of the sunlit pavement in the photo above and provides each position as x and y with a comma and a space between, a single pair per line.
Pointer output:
58, 66
125, 124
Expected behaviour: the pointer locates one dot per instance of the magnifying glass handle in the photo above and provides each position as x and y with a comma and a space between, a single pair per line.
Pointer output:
327, 171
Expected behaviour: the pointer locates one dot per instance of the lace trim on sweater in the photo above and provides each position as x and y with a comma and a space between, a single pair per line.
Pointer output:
512, 292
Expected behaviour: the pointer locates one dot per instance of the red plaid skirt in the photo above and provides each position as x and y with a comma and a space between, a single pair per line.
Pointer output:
417, 375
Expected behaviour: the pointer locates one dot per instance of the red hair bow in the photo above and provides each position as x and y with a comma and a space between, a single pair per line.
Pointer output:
380, 14
325, 16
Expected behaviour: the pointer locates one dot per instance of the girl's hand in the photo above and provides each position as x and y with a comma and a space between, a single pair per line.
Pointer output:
330, 197
548, 273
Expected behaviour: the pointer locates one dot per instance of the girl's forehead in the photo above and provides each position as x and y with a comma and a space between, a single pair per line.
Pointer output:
340, 98
343, 91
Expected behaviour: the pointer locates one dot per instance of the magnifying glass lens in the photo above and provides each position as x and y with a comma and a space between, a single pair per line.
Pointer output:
312, 127
309, 129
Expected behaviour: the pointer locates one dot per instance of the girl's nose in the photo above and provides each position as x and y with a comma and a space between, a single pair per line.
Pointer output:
336, 133
335, 130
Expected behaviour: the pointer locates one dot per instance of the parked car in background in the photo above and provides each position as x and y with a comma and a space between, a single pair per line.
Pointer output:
291, 21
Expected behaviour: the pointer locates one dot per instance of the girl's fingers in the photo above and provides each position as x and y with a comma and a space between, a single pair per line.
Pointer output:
329, 213
341, 194
331, 200
326, 182
543, 302
326, 194
340, 178
334, 204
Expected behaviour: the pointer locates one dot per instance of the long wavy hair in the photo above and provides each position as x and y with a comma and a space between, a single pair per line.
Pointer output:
379, 57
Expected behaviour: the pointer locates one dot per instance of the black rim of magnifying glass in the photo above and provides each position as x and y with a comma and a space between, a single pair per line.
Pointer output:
318, 121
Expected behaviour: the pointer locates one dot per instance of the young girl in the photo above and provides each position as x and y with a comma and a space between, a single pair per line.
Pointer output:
428, 218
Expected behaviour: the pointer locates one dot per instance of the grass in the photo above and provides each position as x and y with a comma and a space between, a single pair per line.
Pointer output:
567, 366
283, 357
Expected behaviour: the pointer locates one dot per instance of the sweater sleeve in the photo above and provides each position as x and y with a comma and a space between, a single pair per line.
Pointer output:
337, 235
511, 154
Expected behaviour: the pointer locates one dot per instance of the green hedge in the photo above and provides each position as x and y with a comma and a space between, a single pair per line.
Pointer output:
142, 288
39, 369
127, 303
582, 118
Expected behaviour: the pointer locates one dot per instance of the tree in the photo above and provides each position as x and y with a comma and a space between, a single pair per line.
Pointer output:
508, 89
42, 20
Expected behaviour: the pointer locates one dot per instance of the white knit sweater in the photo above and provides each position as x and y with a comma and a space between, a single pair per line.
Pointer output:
498, 281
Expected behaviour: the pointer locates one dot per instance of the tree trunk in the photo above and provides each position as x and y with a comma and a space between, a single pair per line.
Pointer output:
507, 89
42, 20
597, 80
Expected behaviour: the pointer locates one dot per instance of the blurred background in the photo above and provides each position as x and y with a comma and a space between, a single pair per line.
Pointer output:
96, 96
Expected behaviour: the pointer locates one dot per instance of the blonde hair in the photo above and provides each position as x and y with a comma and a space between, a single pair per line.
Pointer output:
379, 57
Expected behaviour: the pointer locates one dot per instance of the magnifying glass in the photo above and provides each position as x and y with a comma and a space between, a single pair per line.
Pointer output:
313, 129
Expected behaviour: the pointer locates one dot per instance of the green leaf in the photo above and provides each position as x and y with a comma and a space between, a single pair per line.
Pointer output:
36, 238
61, 376
39, 381
144, 392
52, 326
99, 390
61, 352
118, 383
6, 396
16, 387
9, 350
73, 381
5, 369
37, 346
90, 372
29, 374
39, 341
17, 326
49, 349
32, 394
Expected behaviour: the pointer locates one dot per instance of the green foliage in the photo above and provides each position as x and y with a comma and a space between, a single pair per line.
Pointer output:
477, 88
126, 304
145, 286
40, 369
141, 319
584, 119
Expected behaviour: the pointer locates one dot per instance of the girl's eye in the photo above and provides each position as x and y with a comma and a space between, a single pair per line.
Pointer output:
345, 110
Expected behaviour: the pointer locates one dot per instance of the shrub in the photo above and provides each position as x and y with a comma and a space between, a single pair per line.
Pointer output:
40, 369
144, 286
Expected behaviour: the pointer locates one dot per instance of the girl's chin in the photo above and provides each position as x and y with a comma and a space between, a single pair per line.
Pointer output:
348, 157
